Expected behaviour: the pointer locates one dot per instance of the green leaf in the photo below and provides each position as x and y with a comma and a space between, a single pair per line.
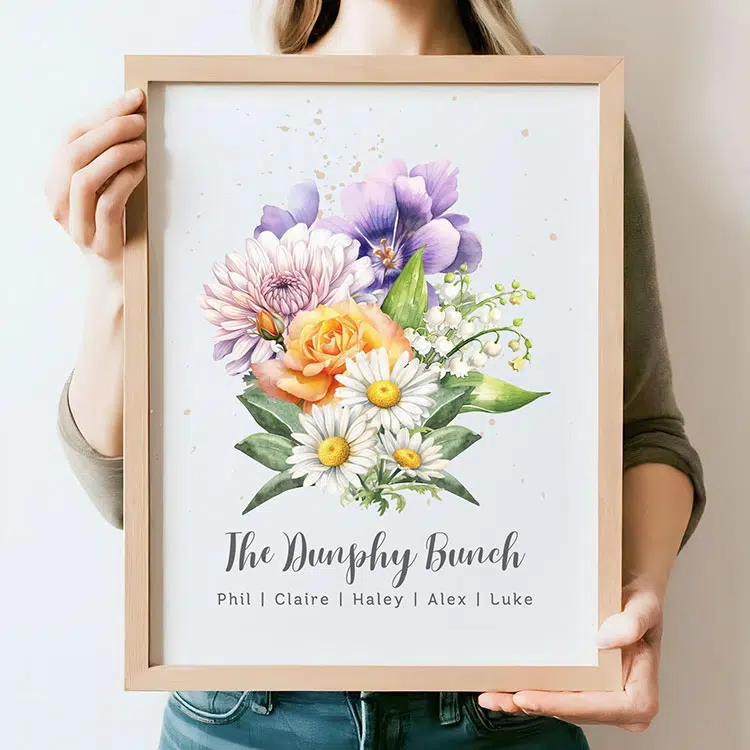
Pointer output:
280, 483
450, 484
270, 450
448, 403
273, 415
406, 303
453, 440
490, 394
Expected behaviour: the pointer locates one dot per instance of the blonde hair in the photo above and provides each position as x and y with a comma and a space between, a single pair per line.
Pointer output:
491, 25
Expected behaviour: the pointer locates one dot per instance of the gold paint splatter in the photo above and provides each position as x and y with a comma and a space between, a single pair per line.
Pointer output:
382, 140
328, 196
492, 421
553, 237
320, 214
311, 133
186, 412
525, 132
373, 148
319, 112
284, 128
325, 156
357, 167
454, 98
320, 175
342, 184
332, 187
318, 121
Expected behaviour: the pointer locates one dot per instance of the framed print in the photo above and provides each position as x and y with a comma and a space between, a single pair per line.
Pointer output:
373, 377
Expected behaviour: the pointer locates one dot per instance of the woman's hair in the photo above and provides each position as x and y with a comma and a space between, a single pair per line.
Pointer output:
491, 25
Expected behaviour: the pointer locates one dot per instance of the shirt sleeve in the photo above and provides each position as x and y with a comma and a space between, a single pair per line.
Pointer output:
654, 429
99, 476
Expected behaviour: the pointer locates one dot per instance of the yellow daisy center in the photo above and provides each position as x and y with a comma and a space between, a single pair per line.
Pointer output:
384, 393
407, 458
334, 451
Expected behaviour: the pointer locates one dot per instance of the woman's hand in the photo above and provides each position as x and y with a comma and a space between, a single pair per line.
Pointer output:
637, 630
94, 171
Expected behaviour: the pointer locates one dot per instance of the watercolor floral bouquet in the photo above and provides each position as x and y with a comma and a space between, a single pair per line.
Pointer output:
354, 365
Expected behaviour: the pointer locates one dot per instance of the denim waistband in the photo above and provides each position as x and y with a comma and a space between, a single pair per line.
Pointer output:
449, 706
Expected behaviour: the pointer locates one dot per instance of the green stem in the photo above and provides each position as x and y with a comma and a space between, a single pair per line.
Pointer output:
476, 336
491, 299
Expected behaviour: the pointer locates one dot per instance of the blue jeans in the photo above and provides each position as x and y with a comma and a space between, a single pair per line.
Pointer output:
353, 721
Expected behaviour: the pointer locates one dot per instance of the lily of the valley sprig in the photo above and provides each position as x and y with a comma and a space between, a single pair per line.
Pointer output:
357, 361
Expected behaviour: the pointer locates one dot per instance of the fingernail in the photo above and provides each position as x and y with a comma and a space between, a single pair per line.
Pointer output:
485, 702
523, 705
132, 96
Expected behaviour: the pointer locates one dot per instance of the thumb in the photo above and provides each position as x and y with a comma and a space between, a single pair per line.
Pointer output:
641, 612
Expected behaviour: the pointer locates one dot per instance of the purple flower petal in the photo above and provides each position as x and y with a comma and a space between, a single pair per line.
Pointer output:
469, 246
440, 239
389, 171
274, 220
371, 207
304, 202
442, 184
222, 348
414, 204
432, 298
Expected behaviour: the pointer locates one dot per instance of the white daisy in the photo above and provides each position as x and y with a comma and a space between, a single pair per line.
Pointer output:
414, 456
387, 397
336, 447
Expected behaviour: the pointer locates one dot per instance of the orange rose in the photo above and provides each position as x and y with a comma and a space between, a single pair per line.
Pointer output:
318, 344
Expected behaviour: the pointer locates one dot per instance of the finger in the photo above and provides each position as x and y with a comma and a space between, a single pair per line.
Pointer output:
498, 702
85, 184
642, 611
637, 704
111, 206
635, 727
95, 142
123, 105
581, 708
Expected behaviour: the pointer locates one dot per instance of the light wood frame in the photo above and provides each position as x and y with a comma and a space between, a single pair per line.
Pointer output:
142, 670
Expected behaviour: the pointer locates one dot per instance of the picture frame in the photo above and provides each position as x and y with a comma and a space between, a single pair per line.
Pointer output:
147, 599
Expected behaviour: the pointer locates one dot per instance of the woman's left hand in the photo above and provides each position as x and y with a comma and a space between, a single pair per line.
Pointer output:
637, 630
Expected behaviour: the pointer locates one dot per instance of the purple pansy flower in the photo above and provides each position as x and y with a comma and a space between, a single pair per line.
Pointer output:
303, 205
394, 212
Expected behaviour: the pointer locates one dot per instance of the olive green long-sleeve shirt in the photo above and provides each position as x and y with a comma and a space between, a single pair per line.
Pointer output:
653, 424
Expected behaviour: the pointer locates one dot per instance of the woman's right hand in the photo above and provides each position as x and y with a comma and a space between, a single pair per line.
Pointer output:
94, 172
95, 169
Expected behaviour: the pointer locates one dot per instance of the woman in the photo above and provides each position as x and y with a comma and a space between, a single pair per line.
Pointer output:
97, 168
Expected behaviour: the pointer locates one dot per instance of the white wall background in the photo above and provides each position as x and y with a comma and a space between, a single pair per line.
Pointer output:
60, 566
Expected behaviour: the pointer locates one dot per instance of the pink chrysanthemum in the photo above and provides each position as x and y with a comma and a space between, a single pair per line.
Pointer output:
303, 269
